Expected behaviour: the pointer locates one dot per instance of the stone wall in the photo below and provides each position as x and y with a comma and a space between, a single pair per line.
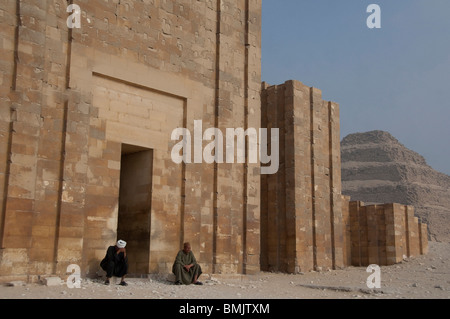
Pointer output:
133, 72
301, 205
346, 231
86, 124
306, 224
385, 234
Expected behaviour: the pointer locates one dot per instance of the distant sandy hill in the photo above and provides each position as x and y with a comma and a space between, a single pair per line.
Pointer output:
377, 168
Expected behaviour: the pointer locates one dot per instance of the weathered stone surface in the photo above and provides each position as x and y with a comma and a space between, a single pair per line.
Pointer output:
75, 100
301, 205
52, 281
86, 124
384, 234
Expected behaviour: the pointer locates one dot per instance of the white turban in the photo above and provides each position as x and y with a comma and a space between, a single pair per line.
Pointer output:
121, 243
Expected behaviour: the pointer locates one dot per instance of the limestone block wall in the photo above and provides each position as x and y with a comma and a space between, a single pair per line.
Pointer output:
385, 234
423, 238
135, 71
75, 103
301, 205
346, 231
33, 97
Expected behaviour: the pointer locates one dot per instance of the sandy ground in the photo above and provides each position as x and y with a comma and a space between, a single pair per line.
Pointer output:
424, 277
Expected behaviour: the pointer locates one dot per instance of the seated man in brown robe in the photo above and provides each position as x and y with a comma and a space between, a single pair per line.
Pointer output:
185, 267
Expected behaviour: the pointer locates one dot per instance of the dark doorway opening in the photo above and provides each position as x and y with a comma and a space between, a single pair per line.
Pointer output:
135, 196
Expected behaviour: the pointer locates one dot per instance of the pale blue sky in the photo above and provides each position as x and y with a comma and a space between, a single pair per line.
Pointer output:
396, 78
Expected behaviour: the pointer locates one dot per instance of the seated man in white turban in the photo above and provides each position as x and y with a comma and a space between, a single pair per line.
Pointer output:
115, 262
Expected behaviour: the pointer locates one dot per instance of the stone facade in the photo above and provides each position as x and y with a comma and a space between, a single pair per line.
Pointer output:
75, 102
86, 122
306, 224
385, 234
301, 213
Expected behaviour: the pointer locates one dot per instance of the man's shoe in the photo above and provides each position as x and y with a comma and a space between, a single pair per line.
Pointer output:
107, 282
123, 283
178, 283
198, 283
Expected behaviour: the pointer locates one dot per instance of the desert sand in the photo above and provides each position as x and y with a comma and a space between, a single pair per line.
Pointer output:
423, 277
